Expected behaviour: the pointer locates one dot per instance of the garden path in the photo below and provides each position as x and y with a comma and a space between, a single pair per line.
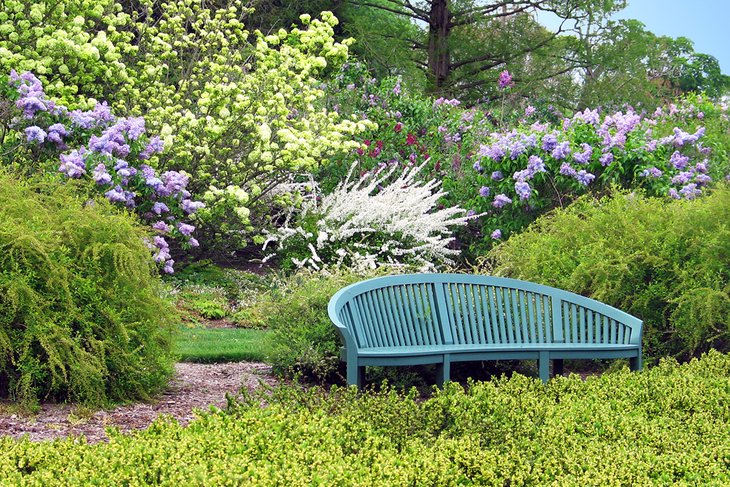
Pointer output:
195, 386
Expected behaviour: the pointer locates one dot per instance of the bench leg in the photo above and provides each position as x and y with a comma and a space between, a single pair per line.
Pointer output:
557, 367
544, 366
355, 374
635, 362
444, 372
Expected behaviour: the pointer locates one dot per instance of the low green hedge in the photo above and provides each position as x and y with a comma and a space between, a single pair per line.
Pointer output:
668, 425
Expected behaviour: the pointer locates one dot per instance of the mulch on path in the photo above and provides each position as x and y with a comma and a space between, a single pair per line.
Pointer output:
195, 386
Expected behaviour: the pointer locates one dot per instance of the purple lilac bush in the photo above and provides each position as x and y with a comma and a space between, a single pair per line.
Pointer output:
513, 167
111, 152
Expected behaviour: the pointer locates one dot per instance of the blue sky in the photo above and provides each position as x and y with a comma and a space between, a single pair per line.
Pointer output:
704, 22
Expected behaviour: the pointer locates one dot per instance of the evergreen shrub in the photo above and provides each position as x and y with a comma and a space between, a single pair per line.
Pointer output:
665, 261
667, 425
81, 314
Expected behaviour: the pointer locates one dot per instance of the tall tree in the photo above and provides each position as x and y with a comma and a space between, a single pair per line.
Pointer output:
445, 22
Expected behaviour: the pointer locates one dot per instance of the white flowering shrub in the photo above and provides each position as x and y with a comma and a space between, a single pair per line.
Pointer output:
386, 218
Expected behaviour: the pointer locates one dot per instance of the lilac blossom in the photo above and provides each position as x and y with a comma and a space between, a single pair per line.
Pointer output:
529, 111
35, 134
190, 206
101, 176
683, 177
690, 191
501, 200
606, 159
583, 177
561, 151
535, 165
162, 226
116, 195
549, 141
477, 167
678, 160
484, 191
159, 208
523, 190
497, 234
585, 156
185, 229
193, 242
56, 133
673, 194
567, 170
497, 176
73, 164
652, 172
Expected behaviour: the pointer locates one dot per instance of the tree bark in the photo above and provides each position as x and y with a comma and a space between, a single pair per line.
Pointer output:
439, 58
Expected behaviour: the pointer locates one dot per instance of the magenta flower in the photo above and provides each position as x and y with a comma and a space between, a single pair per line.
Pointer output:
505, 80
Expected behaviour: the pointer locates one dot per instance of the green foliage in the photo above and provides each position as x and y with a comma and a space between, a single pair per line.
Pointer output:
81, 315
77, 48
664, 426
303, 339
208, 345
667, 262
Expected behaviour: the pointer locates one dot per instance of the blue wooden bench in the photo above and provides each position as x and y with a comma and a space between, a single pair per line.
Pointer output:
444, 318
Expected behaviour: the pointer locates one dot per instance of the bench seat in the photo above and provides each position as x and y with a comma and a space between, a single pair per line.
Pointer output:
445, 318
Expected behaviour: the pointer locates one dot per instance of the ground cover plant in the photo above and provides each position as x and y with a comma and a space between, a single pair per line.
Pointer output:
665, 261
663, 426
81, 313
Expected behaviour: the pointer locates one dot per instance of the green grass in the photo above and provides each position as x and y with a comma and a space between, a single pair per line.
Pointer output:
207, 345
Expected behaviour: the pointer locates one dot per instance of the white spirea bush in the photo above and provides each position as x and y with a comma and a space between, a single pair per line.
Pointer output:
384, 219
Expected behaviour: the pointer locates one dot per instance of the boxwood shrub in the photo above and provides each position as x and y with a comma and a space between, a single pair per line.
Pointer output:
668, 425
81, 317
665, 261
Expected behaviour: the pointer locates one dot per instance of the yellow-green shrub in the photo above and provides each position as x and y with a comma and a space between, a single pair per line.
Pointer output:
668, 425
81, 317
665, 261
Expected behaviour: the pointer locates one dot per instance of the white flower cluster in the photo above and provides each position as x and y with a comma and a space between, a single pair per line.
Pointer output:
383, 219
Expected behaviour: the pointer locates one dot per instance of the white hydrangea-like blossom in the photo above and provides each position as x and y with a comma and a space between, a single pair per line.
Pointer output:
387, 218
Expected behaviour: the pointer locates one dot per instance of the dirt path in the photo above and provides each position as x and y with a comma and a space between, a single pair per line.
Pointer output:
194, 386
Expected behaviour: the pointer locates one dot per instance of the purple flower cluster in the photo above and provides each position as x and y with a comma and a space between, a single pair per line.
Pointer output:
505, 80
111, 158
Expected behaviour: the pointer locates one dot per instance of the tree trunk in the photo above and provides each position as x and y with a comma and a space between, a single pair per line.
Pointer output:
439, 59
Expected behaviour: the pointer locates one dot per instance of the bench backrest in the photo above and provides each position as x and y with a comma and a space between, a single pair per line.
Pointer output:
432, 309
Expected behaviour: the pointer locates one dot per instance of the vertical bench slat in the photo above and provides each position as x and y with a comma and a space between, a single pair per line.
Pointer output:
452, 298
515, 313
582, 332
381, 339
418, 319
504, 321
468, 306
479, 312
438, 303
494, 312
620, 327
574, 323
387, 324
488, 322
360, 335
394, 316
422, 311
409, 325
368, 320
589, 317
522, 297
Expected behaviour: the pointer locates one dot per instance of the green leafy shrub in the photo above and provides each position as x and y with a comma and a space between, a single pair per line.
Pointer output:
668, 425
303, 339
667, 262
81, 317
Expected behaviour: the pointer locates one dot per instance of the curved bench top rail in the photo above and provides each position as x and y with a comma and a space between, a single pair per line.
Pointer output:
347, 293
429, 295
